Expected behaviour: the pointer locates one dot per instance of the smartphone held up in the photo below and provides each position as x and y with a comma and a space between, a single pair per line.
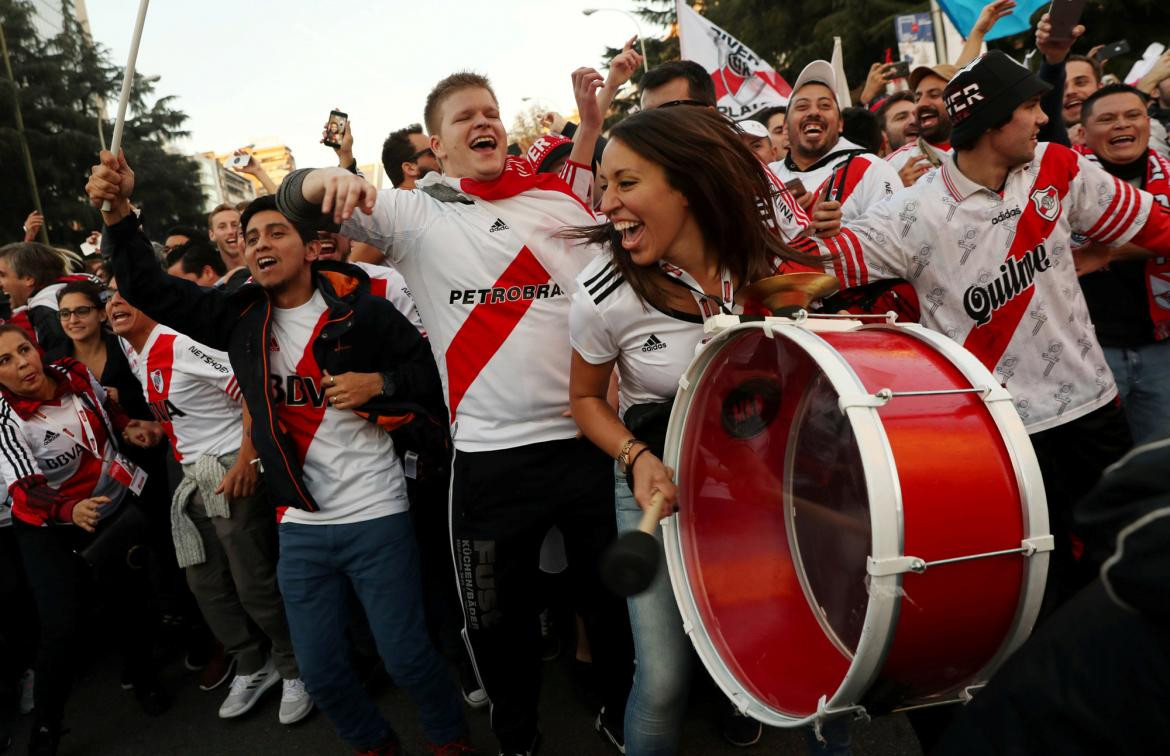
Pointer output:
335, 129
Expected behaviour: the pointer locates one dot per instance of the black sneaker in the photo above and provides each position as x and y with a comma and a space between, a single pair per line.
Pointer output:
152, 697
530, 751
739, 729
44, 740
612, 734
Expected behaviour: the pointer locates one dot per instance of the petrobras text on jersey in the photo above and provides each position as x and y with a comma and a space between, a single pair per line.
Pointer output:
504, 294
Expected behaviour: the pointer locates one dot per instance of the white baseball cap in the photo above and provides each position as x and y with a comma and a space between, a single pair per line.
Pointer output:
751, 128
817, 72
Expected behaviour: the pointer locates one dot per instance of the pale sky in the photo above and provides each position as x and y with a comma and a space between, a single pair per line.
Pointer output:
258, 71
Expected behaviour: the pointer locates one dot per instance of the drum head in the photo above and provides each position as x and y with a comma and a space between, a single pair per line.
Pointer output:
773, 523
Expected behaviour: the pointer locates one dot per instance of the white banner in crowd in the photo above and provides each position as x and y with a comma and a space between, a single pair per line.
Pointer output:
744, 83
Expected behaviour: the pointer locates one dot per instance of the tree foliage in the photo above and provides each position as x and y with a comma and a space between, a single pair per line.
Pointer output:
61, 83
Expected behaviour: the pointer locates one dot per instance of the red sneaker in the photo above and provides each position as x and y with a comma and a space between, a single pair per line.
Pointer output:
460, 747
389, 748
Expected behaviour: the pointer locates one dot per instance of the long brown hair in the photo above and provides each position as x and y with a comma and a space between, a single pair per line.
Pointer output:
726, 186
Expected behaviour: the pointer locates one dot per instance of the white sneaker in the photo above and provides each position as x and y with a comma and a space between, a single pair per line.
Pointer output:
27, 681
246, 690
295, 703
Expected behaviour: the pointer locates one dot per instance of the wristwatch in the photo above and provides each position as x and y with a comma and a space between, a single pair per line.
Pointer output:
387, 385
623, 457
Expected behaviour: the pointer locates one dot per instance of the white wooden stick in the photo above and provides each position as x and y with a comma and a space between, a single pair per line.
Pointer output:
127, 84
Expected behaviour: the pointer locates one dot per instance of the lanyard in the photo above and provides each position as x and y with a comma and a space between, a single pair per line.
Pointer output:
708, 303
90, 440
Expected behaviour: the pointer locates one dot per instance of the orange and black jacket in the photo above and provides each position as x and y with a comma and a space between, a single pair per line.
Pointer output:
364, 334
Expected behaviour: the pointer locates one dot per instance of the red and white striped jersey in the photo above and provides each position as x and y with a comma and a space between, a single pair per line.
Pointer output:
349, 464
995, 272
192, 392
869, 180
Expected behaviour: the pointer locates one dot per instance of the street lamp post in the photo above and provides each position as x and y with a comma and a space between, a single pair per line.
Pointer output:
632, 17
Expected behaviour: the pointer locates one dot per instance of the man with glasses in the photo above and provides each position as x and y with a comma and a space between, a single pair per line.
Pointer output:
407, 156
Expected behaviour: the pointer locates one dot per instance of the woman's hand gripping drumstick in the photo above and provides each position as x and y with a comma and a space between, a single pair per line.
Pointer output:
630, 564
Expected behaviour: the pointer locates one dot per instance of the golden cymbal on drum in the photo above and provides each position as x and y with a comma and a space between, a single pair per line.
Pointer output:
779, 293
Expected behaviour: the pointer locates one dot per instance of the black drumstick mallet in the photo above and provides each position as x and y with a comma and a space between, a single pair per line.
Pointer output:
630, 563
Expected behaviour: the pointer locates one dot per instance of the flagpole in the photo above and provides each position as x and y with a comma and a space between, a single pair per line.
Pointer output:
127, 84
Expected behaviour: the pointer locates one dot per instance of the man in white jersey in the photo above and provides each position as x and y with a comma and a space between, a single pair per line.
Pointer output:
817, 153
985, 241
686, 83
224, 537
919, 155
479, 247
304, 340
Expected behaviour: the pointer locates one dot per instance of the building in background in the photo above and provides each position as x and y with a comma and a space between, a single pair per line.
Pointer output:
221, 185
374, 173
276, 159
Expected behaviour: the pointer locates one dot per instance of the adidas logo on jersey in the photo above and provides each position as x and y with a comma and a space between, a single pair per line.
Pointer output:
50, 437
1005, 215
653, 344
272, 345
499, 225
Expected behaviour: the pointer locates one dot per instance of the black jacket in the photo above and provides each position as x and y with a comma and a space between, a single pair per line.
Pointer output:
364, 334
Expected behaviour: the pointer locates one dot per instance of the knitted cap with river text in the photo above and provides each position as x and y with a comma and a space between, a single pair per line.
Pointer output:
985, 92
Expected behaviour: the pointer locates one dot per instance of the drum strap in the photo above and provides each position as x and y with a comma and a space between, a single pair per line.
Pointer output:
708, 304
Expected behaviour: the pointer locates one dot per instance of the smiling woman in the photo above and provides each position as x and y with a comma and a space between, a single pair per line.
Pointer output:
61, 460
684, 197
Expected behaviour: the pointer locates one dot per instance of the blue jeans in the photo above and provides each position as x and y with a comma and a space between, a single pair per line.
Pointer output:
1143, 381
379, 558
662, 676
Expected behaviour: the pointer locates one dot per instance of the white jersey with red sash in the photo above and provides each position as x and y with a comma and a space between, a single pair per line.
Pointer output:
915, 147
491, 278
388, 283
193, 394
1157, 183
995, 272
349, 464
867, 179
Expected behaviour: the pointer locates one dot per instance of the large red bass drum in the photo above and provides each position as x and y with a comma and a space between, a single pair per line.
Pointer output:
862, 522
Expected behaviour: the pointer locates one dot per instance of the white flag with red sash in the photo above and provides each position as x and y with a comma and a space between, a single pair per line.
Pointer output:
744, 83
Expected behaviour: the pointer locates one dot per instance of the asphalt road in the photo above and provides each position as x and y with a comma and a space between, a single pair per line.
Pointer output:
104, 720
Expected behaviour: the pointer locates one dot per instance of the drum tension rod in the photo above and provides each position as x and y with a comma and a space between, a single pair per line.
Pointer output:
917, 565
882, 397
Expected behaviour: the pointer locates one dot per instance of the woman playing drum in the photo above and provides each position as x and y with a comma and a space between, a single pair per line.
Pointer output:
689, 218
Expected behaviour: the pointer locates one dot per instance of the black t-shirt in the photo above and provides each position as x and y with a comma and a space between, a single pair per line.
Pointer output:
1116, 296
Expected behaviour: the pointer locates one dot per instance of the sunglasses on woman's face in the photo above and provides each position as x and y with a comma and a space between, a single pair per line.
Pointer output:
81, 312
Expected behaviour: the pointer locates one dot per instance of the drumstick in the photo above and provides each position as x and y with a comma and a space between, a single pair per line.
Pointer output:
127, 84
631, 562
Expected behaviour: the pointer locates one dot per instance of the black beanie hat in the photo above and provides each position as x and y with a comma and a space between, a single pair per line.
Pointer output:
985, 92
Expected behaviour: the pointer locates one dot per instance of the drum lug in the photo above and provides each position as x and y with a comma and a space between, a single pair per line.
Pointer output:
824, 712
969, 692
1030, 546
894, 566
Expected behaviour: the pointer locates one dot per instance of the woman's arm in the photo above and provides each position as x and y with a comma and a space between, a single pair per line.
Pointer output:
597, 419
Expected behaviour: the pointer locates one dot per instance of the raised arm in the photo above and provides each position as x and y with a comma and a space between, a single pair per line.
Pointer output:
991, 13
205, 315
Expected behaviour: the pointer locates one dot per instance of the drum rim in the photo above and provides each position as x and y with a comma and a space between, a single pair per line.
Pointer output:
1031, 485
885, 524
